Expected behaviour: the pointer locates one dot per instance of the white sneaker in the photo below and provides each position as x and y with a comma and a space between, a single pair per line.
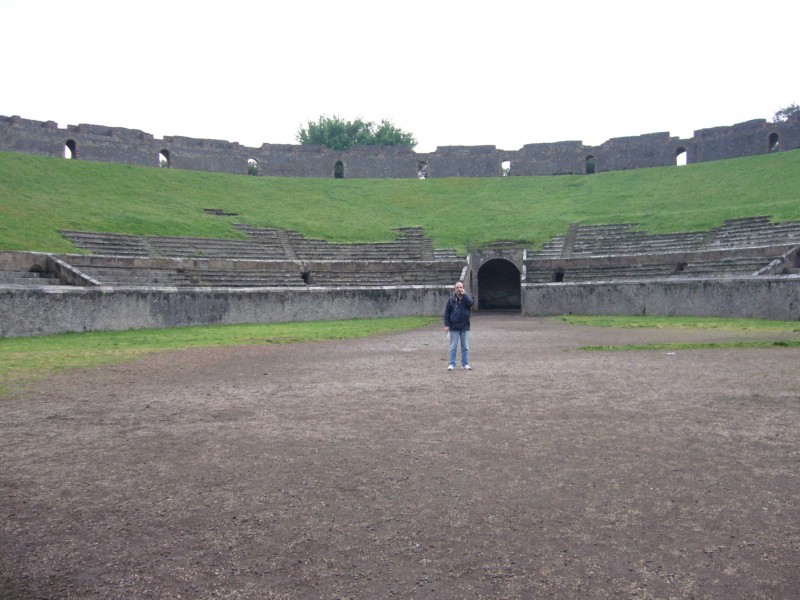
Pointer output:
467, 368
450, 367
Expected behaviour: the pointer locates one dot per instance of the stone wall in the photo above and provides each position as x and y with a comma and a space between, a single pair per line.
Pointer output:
748, 297
132, 146
58, 309
45, 310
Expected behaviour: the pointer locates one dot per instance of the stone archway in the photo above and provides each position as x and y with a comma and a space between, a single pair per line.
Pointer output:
499, 285
70, 149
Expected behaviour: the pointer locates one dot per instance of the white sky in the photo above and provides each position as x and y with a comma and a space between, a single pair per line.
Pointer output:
451, 72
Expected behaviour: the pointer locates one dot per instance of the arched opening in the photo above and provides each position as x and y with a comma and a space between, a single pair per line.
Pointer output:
163, 159
252, 166
70, 149
680, 157
557, 276
422, 170
591, 165
505, 168
338, 170
499, 285
774, 142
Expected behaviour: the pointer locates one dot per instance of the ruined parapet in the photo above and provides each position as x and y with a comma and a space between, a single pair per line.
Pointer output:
638, 152
132, 146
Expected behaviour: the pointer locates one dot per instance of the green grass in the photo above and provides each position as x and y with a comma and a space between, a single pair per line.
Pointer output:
718, 323
41, 195
699, 346
709, 323
24, 360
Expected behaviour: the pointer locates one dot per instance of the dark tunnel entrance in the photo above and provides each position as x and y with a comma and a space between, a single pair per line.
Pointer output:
499, 285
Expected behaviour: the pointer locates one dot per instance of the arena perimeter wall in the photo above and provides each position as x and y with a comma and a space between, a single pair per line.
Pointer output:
751, 297
55, 309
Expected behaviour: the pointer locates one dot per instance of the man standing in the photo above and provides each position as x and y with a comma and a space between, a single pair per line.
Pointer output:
456, 323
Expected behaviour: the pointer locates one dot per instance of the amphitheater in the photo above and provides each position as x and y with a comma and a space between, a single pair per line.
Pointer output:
743, 268
362, 468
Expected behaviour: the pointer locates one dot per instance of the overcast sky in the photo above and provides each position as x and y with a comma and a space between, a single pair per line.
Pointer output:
449, 72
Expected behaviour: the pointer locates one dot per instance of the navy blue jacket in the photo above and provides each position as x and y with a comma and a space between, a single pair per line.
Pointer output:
456, 313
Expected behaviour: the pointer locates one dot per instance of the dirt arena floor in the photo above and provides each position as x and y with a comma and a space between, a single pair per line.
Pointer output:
363, 469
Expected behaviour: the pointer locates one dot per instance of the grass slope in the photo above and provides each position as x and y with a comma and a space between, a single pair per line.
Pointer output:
40, 195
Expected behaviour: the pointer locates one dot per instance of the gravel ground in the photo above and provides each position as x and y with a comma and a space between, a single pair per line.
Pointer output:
363, 469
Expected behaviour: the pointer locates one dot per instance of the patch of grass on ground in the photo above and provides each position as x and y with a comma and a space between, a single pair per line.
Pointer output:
708, 323
23, 360
717, 323
700, 346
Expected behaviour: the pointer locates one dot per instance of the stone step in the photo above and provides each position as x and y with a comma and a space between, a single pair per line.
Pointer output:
28, 278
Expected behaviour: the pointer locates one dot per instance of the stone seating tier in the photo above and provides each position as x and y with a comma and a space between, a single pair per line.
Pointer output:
444, 277
725, 267
181, 277
757, 231
551, 249
27, 278
214, 248
413, 248
444, 254
194, 272
618, 272
690, 265
111, 244
262, 244
584, 253
620, 239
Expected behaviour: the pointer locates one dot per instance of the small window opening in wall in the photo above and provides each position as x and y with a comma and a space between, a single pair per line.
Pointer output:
338, 170
774, 142
591, 165
505, 167
558, 276
70, 149
306, 275
680, 267
680, 157
163, 159
252, 166
422, 170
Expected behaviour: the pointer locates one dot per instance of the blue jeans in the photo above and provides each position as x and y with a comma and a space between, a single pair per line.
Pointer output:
455, 336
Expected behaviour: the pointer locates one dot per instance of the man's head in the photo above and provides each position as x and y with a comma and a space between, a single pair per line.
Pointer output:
459, 287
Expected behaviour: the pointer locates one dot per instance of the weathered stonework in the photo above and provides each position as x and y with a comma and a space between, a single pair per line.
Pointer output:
132, 146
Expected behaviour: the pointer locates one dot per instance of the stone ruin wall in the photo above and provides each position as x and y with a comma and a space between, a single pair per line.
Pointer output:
134, 147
